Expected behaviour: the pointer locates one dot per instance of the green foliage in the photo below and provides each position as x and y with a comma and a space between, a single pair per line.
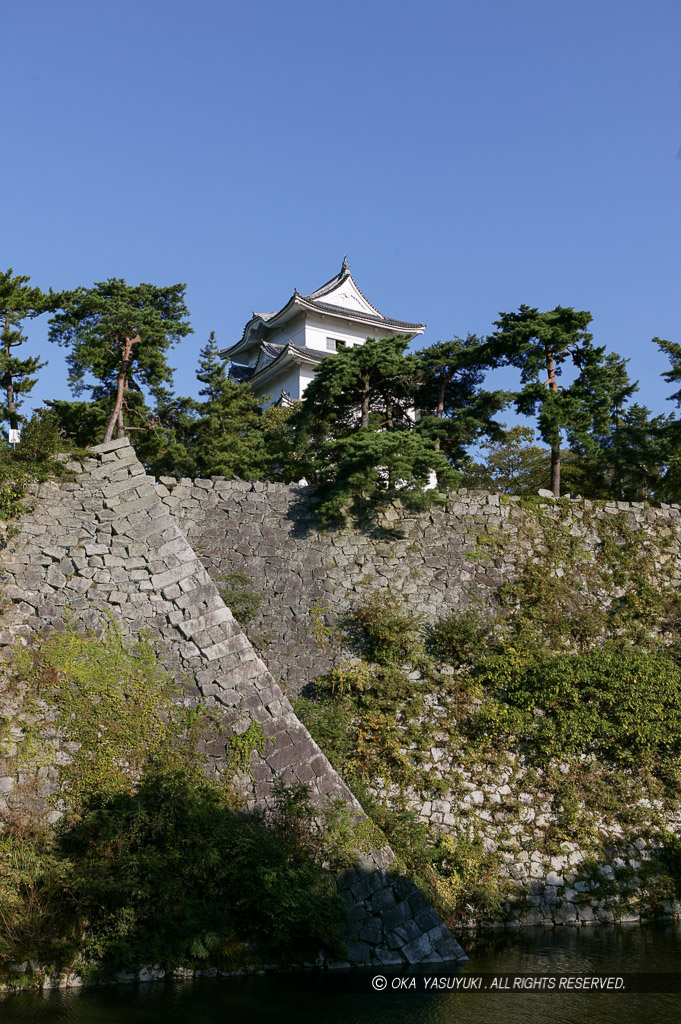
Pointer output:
152, 862
458, 637
35, 918
81, 424
40, 442
386, 631
12, 493
363, 716
510, 465
462, 879
112, 700
355, 431
570, 671
172, 874
370, 469
285, 462
467, 882
32, 460
118, 336
623, 454
18, 302
373, 380
623, 705
540, 345
241, 747
238, 594
229, 438
164, 436
454, 409
322, 632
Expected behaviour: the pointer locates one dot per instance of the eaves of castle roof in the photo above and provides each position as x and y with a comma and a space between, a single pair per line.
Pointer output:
270, 365
361, 312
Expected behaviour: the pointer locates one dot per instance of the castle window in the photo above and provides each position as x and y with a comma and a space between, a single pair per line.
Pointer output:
333, 344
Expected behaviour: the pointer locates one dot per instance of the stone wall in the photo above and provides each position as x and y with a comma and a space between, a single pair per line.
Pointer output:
152, 554
105, 544
437, 561
618, 878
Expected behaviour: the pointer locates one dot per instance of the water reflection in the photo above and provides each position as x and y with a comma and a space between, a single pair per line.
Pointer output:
306, 998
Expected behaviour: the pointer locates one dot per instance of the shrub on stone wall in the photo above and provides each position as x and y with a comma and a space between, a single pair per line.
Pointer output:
151, 861
580, 687
385, 630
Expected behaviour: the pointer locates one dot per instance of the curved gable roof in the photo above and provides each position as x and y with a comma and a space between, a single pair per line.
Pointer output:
338, 297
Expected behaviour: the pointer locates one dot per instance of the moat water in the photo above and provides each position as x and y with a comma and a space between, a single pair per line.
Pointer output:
307, 998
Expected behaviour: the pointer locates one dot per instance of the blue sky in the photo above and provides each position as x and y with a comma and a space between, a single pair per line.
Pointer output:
468, 156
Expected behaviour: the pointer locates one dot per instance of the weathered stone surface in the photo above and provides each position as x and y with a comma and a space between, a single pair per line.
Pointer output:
85, 551
106, 543
269, 532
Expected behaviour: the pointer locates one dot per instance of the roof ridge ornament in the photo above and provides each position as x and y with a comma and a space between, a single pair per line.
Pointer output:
345, 266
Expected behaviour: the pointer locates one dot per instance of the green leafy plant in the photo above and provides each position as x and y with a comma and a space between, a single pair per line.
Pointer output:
32, 460
386, 632
458, 637
152, 861
236, 590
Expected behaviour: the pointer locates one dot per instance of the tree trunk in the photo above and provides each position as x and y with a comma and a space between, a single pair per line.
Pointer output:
11, 407
366, 394
555, 472
117, 414
440, 410
555, 449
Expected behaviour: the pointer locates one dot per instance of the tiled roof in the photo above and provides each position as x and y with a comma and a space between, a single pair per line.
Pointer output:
271, 350
311, 353
330, 286
342, 311
240, 373
315, 301
335, 282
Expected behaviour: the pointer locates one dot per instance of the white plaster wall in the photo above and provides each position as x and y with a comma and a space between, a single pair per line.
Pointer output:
293, 332
288, 382
306, 375
348, 296
318, 328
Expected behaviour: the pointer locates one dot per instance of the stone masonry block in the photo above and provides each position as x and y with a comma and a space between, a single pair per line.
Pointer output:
191, 626
115, 490
176, 575
235, 643
113, 515
110, 446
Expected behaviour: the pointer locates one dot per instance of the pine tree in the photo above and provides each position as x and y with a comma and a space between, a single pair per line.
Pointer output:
362, 386
119, 334
541, 344
670, 431
454, 409
356, 429
229, 436
603, 389
18, 302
